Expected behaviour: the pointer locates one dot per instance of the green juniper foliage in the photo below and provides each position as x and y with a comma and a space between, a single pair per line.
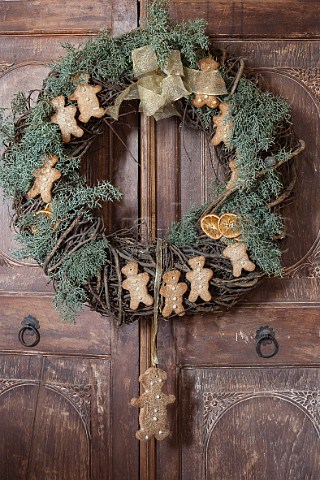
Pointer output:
185, 232
72, 277
163, 36
256, 116
36, 245
6, 128
19, 104
81, 198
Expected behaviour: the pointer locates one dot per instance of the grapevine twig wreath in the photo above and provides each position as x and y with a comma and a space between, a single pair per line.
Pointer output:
218, 251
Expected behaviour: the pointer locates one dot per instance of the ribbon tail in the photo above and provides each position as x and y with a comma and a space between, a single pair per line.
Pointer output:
130, 93
167, 112
150, 101
157, 284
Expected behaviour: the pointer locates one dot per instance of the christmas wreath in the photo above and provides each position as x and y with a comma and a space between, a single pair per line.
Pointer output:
219, 250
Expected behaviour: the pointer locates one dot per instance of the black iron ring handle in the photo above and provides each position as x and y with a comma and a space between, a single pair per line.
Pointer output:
266, 336
22, 332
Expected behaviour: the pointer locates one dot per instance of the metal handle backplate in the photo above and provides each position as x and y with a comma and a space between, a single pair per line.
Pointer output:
266, 336
29, 335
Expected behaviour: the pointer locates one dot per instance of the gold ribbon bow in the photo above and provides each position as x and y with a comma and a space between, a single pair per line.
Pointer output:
158, 90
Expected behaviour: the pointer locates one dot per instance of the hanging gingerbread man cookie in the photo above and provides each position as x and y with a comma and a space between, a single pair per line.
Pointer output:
45, 177
173, 293
223, 123
136, 283
237, 253
64, 117
153, 403
88, 102
199, 278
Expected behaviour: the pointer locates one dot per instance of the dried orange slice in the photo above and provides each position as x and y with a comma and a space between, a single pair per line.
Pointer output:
229, 225
209, 224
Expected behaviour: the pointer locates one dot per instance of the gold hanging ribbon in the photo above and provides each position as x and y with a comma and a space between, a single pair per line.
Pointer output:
157, 284
158, 90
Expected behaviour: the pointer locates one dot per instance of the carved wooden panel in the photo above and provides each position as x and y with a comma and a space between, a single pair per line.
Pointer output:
19, 377
257, 424
56, 418
55, 408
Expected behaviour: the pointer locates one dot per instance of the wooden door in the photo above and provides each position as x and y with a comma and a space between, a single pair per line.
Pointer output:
64, 404
237, 416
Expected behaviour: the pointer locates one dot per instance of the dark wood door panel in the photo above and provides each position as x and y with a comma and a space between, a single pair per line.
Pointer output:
45, 16
288, 304
72, 424
85, 337
16, 50
251, 18
197, 344
249, 424
17, 409
57, 409
56, 418
229, 339
70, 418
19, 383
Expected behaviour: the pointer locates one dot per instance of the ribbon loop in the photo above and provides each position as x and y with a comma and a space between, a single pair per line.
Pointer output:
209, 83
158, 89
144, 61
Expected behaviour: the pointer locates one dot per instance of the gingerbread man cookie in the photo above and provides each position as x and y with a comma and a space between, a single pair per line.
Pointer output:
88, 102
200, 100
199, 278
223, 124
173, 293
45, 177
136, 283
64, 117
237, 253
153, 403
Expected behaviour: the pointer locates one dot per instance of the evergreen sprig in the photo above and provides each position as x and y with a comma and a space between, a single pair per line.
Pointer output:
185, 232
72, 277
256, 116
